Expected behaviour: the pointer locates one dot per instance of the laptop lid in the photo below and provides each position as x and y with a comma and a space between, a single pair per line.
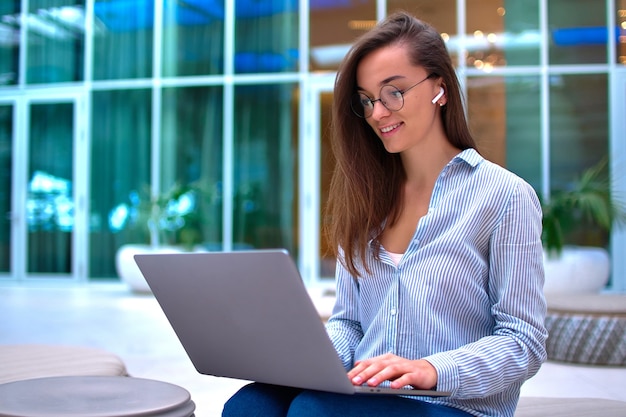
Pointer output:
248, 315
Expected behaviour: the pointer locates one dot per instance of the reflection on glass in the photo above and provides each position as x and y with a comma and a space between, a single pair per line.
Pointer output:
9, 42
56, 39
504, 115
49, 205
578, 125
193, 38
621, 30
123, 39
6, 167
441, 14
334, 25
120, 174
501, 33
577, 32
266, 36
191, 163
265, 155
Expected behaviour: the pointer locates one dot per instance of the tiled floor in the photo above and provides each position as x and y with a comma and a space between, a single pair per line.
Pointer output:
133, 327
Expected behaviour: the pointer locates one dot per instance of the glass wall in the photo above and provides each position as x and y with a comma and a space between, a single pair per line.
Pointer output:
265, 170
123, 34
120, 182
9, 42
197, 112
192, 164
504, 115
620, 20
578, 125
50, 202
333, 26
56, 41
266, 36
6, 177
193, 38
580, 37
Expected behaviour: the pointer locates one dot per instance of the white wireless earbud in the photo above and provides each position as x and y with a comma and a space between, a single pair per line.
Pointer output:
438, 96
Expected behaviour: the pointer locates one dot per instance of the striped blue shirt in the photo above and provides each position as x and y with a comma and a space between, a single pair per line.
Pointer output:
467, 295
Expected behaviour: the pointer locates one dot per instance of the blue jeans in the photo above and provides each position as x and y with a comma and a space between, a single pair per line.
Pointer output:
263, 400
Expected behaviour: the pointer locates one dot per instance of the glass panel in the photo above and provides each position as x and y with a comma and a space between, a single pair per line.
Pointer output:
578, 126
123, 39
504, 115
6, 170
266, 36
56, 40
502, 33
193, 38
191, 167
578, 33
441, 14
523, 127
333, 27
327, 261
265, 175
49, 205
120, 175
486, 108
621, 30
9, 42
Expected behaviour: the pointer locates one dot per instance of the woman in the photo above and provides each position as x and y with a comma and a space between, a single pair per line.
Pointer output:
439, 275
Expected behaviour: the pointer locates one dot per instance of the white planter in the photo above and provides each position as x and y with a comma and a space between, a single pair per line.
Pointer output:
127, 269
577, 270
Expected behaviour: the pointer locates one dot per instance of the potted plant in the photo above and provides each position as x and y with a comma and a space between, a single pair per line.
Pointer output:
576, 224
172, 221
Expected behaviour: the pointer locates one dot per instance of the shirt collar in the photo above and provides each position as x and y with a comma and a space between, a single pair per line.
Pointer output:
470, 156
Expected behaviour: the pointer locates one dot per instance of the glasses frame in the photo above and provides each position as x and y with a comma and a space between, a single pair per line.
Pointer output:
364, 114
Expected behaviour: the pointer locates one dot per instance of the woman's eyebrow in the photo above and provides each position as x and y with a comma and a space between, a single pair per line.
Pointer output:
390, 79
384, 82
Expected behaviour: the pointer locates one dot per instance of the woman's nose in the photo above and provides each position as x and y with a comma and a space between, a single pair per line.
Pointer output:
379, 110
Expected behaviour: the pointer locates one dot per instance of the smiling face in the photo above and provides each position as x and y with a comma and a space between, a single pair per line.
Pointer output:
417, 123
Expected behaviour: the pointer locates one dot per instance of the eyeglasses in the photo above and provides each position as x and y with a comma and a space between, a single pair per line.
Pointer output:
390, 96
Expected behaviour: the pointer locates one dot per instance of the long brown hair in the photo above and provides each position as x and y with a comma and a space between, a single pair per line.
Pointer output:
366, 184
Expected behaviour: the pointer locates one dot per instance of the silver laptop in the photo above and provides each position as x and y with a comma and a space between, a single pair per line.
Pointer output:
248, 315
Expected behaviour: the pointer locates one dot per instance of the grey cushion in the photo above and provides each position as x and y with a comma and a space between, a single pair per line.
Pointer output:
569, 407
37, 361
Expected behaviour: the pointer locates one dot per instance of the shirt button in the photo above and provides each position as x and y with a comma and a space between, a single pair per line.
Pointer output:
393, 311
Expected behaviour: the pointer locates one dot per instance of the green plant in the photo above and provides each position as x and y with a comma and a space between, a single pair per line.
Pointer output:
583, 213
177, 216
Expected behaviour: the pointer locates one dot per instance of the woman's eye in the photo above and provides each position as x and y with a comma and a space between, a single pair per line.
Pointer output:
396, 94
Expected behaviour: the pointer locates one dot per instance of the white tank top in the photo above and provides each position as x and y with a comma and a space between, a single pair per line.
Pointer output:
395, 257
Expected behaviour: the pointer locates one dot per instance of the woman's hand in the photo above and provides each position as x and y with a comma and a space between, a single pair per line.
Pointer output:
419, 374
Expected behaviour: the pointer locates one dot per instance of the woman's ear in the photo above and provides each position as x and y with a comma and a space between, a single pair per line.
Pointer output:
438, 96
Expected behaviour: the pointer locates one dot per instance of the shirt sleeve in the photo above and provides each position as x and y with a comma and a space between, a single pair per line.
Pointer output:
343, 327
516, 349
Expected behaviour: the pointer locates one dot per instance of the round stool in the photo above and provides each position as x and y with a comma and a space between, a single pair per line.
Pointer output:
587, 329
94, 396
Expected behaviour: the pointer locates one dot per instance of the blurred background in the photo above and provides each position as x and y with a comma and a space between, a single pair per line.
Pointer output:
203, 124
